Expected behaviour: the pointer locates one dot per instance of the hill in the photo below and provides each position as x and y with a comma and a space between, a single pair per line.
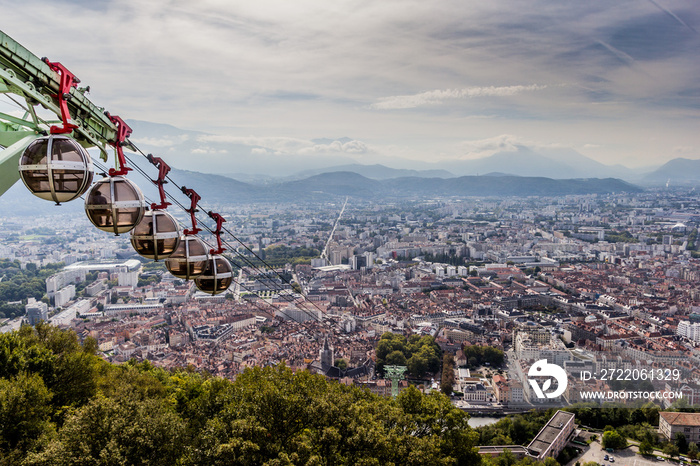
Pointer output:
61, 405
218, 189
376, 172
318, 187
559, 163
679, 171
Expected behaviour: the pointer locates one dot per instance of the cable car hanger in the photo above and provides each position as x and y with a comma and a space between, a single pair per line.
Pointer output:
219, 221
68, 80
163, 170
194, 199
123, 132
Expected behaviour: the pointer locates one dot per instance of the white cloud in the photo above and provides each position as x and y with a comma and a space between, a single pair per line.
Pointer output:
485, 147
162, 142
204, 150
310, 67
274, 144
261, 145
350, 147
439, 96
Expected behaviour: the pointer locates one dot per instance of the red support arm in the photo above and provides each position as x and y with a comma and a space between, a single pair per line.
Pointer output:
219, 221
123, 132
68, 80
163, 169
194, 198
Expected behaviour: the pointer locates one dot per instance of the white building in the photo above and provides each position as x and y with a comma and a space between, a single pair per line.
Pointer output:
126, 276
688, 330
292, 312
64, 295
61, 279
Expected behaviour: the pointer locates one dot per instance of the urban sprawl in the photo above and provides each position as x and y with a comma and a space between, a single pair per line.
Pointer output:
597, 284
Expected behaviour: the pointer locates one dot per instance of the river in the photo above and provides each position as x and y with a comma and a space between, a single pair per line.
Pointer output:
475, 421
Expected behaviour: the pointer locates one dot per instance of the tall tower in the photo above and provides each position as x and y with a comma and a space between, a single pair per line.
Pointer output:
395, 373
326, 354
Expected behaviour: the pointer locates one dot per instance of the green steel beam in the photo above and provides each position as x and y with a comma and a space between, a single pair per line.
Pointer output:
9, 161
24, 74
7, 138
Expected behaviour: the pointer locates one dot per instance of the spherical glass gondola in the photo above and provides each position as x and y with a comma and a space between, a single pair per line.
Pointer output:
56, 168
115, 204
156, 236
189, 259
217, 277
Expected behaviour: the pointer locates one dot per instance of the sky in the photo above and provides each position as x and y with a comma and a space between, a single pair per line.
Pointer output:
402, 82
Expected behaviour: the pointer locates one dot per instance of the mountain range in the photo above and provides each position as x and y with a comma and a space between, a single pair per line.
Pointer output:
266, 161
522, 172
218, 189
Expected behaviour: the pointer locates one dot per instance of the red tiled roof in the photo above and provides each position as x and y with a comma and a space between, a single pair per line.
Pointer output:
681, 419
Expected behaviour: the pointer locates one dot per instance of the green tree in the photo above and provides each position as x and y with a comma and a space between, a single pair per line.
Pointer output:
396, 358
448, 374
681, 442
117, 431
507, 458
646, 448
612, 439
24, 414
671, 449
692, 450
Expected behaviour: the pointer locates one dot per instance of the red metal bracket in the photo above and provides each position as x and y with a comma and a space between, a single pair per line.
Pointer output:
219, 221
123, 132
68, 80
163, 169
194, 198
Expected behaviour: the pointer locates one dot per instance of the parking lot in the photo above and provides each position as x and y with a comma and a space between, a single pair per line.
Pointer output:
626, 457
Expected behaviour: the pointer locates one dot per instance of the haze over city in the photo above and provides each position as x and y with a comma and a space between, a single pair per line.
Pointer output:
406, 84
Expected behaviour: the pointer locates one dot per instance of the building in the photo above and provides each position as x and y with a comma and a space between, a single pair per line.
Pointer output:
689, 330
686, 423
326, 354
518, 451
64, 295
549, 442
62, 279
553, 437
296, 314
36, 311
517, 395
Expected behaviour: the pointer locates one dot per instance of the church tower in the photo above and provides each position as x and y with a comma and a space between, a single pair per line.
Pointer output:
326, 354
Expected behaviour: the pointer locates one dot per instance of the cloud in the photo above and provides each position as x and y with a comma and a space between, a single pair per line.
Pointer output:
439, 96
208, 151
315, 68
350, 147
262, 145
485, 147
163, 141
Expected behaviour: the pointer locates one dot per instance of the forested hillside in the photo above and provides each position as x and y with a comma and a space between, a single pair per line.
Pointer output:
60, 404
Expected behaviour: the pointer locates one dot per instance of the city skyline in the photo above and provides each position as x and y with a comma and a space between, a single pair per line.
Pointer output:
405, 83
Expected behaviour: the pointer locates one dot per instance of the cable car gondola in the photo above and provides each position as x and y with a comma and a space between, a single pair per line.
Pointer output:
156, 236
56, 168
217, 277
189, 259
115, 204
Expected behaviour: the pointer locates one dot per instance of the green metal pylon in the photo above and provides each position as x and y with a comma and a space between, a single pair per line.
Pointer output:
394, 373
